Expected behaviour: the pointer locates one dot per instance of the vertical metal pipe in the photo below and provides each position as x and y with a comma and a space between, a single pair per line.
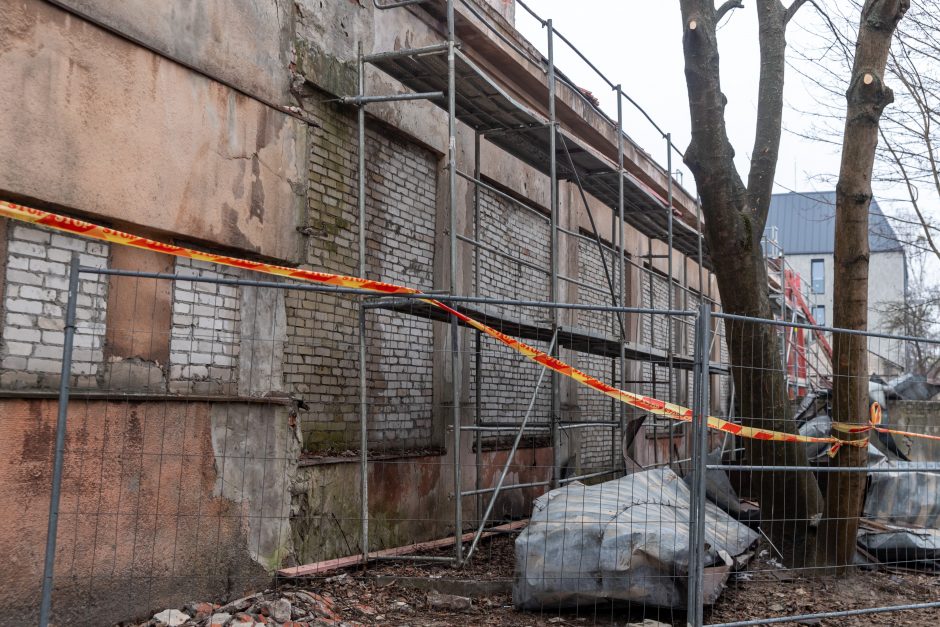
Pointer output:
361, 120
363, 396
699, 452
553, 191
621, 235
701, 261
454, 327
670, 322
478, 348
363, 440
55, 494
669, 293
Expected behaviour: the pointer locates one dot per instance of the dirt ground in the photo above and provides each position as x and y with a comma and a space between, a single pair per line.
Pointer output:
417, 594
376, 596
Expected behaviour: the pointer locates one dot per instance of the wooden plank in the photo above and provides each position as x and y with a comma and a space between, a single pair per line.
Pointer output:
307, 570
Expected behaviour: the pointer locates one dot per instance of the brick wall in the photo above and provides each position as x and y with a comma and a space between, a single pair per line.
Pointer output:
321, 354
35, 298
205, 335
507, 380
596, 442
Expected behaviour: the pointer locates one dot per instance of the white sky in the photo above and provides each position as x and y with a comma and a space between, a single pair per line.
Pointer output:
639, 46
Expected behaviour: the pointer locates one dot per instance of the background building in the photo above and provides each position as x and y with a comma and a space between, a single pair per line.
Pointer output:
805, 230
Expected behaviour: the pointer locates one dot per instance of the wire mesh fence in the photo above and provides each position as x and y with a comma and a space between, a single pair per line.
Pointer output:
246, 443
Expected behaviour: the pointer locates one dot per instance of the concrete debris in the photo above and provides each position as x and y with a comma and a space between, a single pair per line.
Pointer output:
296, 608
450, 602
171, 618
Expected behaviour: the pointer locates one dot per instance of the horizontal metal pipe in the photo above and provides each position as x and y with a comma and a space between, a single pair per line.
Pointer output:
585, 425
503, 195
800, 325
805, 617
495, 251
406, 52
502, 428
873, 469
382, 303
581, 283
589, 476
360, 100
514, 486
587, 238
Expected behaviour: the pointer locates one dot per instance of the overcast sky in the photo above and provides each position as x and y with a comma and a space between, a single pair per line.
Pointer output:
639, 45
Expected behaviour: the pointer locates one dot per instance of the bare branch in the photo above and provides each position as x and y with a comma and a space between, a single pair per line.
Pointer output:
728, 5
792, 9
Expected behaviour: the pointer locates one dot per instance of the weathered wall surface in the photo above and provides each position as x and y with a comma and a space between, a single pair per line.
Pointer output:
104, 127
161, 503
246, 44
325, 517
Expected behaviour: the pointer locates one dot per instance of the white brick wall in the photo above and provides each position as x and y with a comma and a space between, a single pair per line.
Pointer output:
205, 337
34, 309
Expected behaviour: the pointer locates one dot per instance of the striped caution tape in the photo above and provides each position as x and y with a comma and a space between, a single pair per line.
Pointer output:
645, 403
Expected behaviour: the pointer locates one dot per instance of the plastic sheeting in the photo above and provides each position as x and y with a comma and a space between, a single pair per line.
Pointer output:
917, 547
622, 540
906, 498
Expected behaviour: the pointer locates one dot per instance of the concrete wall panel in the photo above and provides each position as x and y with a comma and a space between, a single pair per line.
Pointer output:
95, 123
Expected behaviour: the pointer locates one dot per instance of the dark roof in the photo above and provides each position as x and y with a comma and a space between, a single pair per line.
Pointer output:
806, 224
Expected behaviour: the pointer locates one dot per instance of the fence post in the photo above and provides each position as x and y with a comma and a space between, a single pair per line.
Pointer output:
66, 373
695, 616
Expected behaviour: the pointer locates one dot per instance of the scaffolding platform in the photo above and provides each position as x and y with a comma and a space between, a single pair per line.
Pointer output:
505, 122
576, 339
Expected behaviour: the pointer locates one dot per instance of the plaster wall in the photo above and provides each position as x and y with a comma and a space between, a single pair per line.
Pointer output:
105, 128
161, 503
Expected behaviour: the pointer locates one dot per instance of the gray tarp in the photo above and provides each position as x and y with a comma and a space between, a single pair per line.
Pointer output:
903, 546
907, 498
623, 540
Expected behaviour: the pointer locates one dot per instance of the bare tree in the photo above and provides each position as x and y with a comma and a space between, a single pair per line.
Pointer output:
735, 215
866, 99
910, 131
918, 315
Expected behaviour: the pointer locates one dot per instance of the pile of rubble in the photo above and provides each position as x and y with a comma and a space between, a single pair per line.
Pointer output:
295, 608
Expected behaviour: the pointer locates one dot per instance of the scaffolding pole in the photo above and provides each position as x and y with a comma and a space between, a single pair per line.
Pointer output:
478, 339
621, 253
363, 397
554, 256
454, 324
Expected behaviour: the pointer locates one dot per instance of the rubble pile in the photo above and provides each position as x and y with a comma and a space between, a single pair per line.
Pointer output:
295, 608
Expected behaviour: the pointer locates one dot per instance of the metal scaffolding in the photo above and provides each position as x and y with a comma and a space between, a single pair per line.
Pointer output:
444, 75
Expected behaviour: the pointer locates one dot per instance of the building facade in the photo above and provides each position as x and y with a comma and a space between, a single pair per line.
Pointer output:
805, 225
210, 423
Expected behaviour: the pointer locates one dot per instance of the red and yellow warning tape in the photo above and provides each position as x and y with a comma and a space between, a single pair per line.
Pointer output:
645, 403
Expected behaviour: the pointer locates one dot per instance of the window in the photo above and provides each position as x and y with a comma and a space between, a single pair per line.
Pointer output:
818, 275
819, 314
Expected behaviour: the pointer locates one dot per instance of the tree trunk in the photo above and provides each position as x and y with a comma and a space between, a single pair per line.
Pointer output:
734, 219
866, 98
